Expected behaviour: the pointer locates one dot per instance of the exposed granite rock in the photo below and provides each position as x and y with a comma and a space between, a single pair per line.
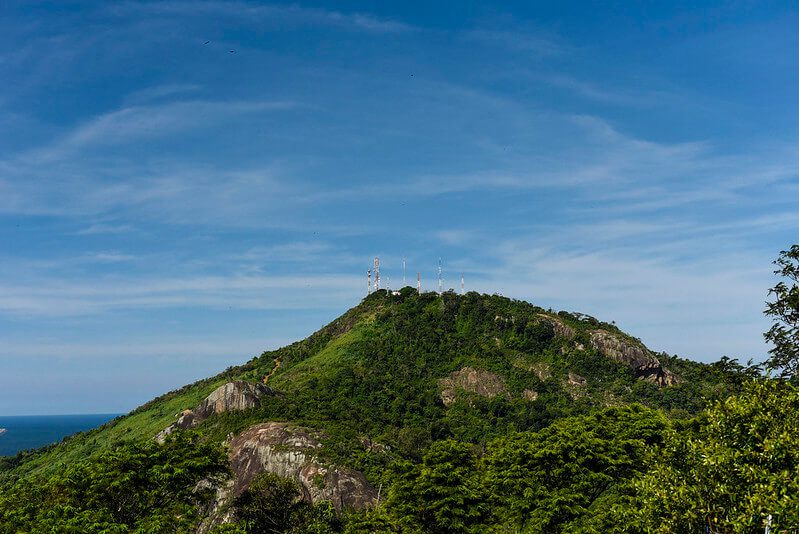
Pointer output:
278, 448
238, 395
233, 396
217, 511
483, 383
373, 446
635, 355
561, 328
2, 431
290, 452
530, 395
346, 488
575, 385
576, 380
542, 371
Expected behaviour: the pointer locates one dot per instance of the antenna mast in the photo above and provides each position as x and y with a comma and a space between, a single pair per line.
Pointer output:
440, 282
377, 273
403, 272
461, 283
419, 282
368, 281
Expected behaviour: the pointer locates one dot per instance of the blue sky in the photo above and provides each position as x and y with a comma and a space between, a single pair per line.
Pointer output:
186, 184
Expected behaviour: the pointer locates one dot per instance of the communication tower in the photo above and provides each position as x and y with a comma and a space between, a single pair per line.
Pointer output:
377, 273
440, 281
462, 284
419, 283
403, 272
368, 281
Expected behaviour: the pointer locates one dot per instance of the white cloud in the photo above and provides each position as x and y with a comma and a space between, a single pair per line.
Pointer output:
51, 297
537, 45
252, 13
104, 228
135, 123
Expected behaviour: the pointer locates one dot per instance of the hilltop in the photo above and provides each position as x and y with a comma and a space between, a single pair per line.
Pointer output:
338, 412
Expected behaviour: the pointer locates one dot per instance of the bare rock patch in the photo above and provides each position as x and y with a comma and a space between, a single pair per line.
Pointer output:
479, 381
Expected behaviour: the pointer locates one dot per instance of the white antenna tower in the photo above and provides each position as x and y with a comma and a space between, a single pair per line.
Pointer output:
419, 283
377, 273
461, 283
403, 272
440, 282
368, 281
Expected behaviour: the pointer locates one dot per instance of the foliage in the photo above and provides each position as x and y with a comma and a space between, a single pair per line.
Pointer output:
273, 505
784, 309
546, 481
443, 494
270, 505
144, 487
741, 465
561, 478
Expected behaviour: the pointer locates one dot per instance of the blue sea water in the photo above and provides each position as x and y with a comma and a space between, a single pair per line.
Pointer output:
34, 431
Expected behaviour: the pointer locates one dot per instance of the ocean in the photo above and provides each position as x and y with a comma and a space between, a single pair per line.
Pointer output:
34, 431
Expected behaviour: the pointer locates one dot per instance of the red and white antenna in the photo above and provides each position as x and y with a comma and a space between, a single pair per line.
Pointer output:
377, 273
440, 281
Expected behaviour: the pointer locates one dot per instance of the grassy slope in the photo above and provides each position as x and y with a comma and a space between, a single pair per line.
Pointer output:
152, 417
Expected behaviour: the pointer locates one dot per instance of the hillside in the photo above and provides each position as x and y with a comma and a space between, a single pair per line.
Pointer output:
387, 380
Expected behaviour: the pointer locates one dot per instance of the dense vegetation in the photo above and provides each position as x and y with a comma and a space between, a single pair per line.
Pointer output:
544, 452
141, 487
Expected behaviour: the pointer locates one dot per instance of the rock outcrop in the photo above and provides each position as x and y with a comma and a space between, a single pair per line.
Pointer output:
529, 394
233, 396
290, 452
637, 357
483, 383
2, 431
561, 328
574, 379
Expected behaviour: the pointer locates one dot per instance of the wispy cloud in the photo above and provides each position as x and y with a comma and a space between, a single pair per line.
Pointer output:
104, 228
260, 13
110, 257
536, 45
608, 95
75, 298
187, 350
150, 122
163, 91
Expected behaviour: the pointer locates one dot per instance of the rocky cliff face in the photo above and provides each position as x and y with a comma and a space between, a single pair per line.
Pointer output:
483, 383
237, 395
288, 451
637, 357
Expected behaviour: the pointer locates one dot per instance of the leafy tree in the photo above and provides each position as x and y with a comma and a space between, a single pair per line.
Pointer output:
549, 481
272, 505
784, 309
145, 487
269, 505
443, 494
741, 466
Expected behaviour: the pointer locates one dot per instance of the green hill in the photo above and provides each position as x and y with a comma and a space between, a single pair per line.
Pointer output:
375, 392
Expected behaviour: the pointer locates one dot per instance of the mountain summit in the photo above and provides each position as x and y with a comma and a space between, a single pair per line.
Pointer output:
334, 414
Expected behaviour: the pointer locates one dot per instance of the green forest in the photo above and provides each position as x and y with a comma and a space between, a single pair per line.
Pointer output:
462, 413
